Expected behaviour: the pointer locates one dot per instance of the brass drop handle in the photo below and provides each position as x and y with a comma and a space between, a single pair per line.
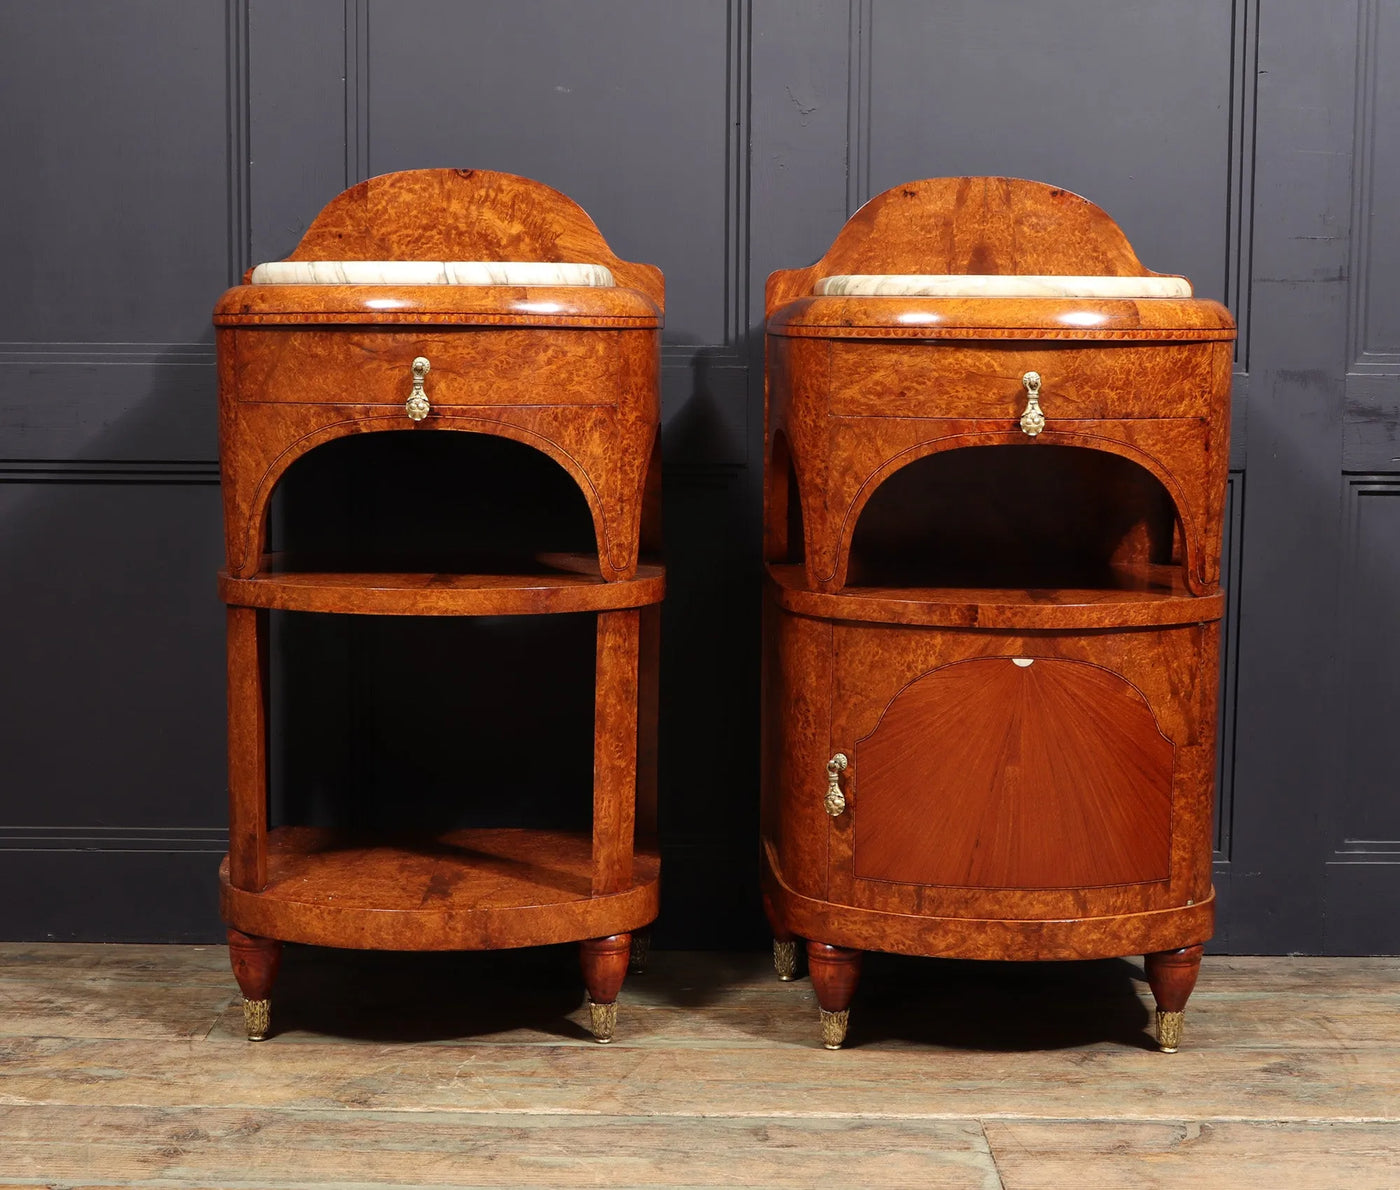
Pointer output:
417, 406
1033, 419
835, 800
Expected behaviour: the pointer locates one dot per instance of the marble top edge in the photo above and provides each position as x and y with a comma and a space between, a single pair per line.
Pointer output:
432, 272
999, 285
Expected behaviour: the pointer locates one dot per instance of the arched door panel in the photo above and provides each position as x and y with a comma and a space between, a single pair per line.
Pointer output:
1017, 773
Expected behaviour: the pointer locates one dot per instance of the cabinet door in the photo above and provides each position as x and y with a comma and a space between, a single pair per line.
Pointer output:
1006, 776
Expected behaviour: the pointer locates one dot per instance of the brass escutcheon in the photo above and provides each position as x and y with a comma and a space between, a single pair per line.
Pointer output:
417, 406
1033, 419
835, 800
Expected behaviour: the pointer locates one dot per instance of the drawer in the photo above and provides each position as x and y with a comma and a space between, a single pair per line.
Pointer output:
468, 367
983, 379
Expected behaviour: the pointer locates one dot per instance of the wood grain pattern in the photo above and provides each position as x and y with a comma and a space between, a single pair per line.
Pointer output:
570, 307
853, 400
994, 774
835, 973
1091, 380
464, 890
1172, 976
604, 963
118, 1067
970, 225
988, 320
248, 695
615, 750
605, 446
1032, 1155
841, 463
477, 214
539, 1151
255, 963
1146, 596
549, 584
366, 366
574, 375
890, 927
1175, 669
1012, 638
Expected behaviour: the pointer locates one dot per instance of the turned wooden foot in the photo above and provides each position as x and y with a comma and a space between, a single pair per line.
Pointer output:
835, 971
640, 953
1172, 975
604, 962
255, 962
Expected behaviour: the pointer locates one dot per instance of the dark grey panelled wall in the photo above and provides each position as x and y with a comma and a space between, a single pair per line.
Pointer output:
155, 148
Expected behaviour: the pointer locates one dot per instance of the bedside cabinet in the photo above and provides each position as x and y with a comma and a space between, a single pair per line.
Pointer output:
436, 302
995, 483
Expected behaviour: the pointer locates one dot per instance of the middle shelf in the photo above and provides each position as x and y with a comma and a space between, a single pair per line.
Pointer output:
542, 584
1139, 596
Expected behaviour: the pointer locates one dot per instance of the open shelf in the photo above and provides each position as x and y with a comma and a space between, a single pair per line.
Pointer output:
541, 584
1138, 595
462, 890
1015, 517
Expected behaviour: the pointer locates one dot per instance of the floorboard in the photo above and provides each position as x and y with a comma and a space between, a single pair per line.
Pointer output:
126, 1066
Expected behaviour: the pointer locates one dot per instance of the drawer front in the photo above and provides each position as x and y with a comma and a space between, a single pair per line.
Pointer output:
470, 367
985, 380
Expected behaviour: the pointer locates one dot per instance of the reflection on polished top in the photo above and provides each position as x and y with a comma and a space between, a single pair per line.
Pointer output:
1000, 285
431, 272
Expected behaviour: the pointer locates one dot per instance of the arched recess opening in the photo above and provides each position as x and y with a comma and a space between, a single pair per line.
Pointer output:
783, 529
454, 502
1016, 516
423, 724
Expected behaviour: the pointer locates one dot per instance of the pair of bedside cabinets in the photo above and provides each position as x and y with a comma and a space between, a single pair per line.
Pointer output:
996, 451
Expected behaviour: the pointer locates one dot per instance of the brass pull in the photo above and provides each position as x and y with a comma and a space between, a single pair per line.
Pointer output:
1033, 419
835, 801
417, 404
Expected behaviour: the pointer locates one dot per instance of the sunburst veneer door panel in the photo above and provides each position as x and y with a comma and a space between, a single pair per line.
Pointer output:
993, 774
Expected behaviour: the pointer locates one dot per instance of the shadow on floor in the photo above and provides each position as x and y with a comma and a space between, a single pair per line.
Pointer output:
996, 1006
391, 996
988, 1006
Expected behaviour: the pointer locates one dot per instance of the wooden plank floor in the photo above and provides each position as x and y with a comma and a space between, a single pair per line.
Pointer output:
125, 1066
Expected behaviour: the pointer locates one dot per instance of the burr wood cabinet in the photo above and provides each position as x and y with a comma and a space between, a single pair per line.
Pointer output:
995, 477
435, 302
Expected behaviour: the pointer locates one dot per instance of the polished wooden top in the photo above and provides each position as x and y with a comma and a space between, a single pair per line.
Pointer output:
987, 226
454, 214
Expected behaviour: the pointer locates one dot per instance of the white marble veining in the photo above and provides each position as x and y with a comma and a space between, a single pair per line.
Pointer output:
431, 272
992, 285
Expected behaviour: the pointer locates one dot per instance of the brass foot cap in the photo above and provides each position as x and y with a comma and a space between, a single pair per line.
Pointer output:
834, 1027
602, 1020
257, 1015
785, 960
641, 951
1169, 1030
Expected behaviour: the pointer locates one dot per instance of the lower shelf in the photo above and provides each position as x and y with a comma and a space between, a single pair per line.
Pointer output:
464, 890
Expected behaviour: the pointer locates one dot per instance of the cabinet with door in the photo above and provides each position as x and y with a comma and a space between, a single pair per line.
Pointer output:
996, 452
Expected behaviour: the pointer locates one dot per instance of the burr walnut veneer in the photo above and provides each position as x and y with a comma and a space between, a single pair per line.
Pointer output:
992, 532
570, 370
